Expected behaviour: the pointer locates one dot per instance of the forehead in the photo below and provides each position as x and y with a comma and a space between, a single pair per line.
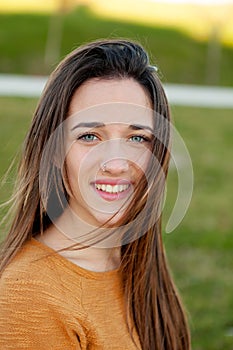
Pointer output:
113, 113
111, 101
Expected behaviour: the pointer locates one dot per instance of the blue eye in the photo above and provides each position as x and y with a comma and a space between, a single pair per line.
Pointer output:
138, 138
88, 137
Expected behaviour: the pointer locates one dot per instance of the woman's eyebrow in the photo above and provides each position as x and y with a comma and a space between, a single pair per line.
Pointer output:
99, 125
88, 125
141, 127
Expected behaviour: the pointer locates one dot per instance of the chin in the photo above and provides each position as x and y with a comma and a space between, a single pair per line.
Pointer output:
107, 220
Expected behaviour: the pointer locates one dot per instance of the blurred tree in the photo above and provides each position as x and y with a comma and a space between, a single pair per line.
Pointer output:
214, 53
219, 16
54, 36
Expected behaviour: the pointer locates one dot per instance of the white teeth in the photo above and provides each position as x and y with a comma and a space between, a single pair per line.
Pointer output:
115, 189
111, 189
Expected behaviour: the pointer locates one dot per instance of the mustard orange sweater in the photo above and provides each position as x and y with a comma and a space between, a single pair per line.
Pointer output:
49, 303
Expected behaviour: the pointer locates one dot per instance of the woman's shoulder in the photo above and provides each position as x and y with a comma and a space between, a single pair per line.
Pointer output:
34, 279
30, 260
37, 269
37, 310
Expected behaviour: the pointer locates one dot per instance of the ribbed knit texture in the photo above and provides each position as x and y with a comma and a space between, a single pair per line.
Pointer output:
49, 303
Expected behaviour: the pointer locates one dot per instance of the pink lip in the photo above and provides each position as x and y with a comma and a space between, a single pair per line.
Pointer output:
112, 196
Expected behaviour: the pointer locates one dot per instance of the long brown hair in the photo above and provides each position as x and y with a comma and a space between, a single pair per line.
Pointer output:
151, 299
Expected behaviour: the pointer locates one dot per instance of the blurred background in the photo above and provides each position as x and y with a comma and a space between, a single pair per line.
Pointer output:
192, 43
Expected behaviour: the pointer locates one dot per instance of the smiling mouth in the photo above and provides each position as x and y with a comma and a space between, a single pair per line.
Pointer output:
112, 189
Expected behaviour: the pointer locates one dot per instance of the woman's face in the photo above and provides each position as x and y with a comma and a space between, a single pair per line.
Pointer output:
110, 132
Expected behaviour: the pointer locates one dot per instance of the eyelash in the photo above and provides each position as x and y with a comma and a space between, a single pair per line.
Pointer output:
143, 137
83, 137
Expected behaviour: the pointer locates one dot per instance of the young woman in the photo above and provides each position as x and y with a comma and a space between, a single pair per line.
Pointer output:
83, 265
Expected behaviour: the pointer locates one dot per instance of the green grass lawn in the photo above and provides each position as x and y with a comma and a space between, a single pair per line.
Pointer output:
200, 249
24, 47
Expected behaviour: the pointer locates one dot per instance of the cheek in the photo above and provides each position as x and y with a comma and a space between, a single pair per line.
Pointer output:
72, 168
75, 159
142, 162
79, 166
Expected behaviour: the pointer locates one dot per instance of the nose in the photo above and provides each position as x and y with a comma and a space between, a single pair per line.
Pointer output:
114, 160
115, 166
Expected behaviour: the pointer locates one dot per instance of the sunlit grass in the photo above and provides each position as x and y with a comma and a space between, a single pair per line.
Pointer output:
25, 6
199, 21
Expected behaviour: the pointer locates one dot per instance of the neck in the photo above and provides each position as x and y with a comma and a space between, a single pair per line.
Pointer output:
77, 243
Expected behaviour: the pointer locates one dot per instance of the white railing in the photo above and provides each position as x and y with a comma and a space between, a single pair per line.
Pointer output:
183, 95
